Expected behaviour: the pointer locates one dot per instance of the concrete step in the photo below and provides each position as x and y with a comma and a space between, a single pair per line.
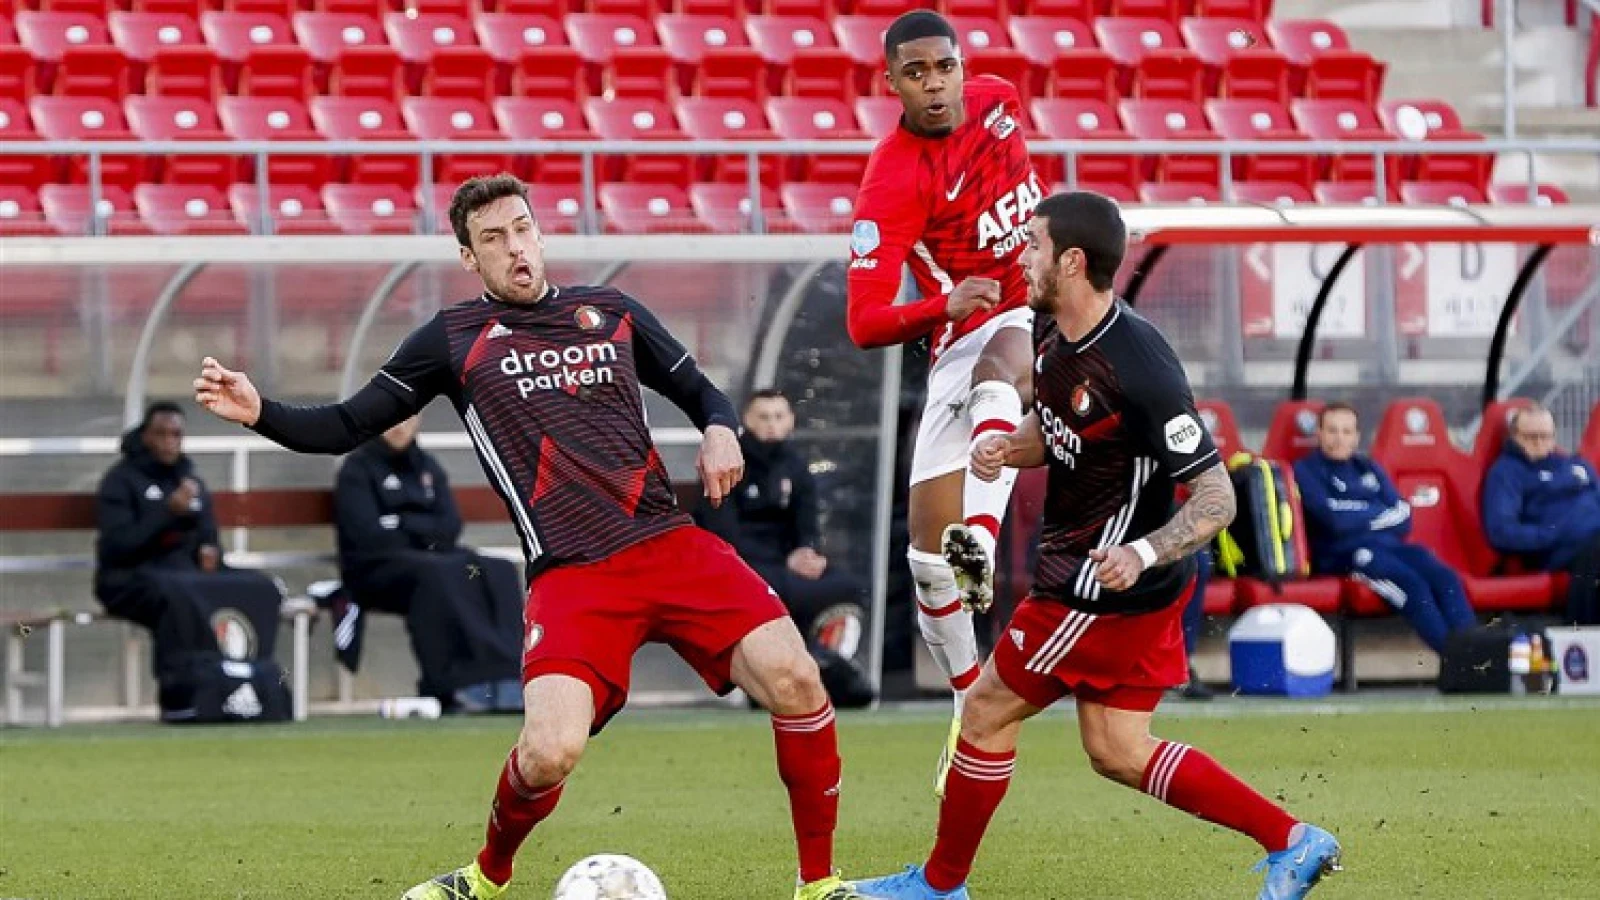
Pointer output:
1488, 117
1435, 14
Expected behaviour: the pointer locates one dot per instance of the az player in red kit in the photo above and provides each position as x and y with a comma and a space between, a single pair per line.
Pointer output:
1114, 420
547, 381
947, 194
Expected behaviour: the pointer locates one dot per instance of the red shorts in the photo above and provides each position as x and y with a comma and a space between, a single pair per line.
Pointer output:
685, 588
1050, 650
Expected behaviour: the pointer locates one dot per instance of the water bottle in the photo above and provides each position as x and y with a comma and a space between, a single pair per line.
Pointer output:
410, 708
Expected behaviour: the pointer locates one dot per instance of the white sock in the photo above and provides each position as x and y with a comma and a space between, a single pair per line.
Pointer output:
945, 624
994, 407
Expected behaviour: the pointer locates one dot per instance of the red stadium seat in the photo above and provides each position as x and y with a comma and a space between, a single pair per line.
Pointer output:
281, 8
554, 9
1271, 193
1089, 120
89, 119
1432, 122
824, 72
890, 8
598, 37
819, 208
1542, 195
277, 119
1178, 192
417, 38
366, 119
861, 38
647, 209
183, 119
1217, 416
1254, 10
723, 119
368, 71
1413, 444
526, 119
639, 119
292, 209
558, 208
326, 35
1348, 120
234, 35
644, 9
1292, 433
1325, 65
1082, 10
455, 119
1363, 193
1589, 444
1493, 432
821, 9
48, 35
729, 8
19, 74
1324, 595
726, 208
1165, 10
93, 71
88, 7
372, 8
686, 38
182, 209
816, 119
141, 34
1008, 65
878, 116
184, 72
16, 125
190, 8
460, 72
643, 72
20, 213
778, 38
1262, 120
980, 33
556, 72
731, 72
370, 208
278, 71
439, 199
69, 208
1439, 193
1065, 59
507, 35
1238, 61
1152, 59
1173, 120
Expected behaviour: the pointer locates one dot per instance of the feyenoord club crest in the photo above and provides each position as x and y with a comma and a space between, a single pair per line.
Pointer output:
1081, 399
589, 318
236, 637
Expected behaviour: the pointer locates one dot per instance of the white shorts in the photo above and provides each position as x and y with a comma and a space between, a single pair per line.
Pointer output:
944, 436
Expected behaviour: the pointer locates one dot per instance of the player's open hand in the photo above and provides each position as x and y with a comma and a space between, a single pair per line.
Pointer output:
721, 463
228, 394
989, 457
1120, 567
972, 295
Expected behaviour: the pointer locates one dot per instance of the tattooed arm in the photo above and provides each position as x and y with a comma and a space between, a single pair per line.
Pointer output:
1209, 509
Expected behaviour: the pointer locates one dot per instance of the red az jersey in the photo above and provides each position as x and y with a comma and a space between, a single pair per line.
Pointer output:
952, 207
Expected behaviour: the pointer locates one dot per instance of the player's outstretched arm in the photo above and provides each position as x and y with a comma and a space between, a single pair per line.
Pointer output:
1209, 509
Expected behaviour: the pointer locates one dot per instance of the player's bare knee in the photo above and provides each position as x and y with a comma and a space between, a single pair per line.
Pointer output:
794, 686
1113, 760
984, 719
545, 758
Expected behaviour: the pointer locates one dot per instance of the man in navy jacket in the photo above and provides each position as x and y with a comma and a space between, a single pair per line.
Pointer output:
1543, 506
1357, 524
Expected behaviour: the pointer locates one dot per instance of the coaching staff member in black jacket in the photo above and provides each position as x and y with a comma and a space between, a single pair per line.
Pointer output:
398, 552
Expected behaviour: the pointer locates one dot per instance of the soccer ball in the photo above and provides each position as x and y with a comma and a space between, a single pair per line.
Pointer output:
610, 877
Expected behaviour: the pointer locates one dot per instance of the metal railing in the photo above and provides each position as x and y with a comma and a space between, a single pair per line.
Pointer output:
590, 152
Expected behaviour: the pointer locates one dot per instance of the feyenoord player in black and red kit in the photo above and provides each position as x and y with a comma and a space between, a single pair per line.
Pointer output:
547, 381
1114, 420
947, 195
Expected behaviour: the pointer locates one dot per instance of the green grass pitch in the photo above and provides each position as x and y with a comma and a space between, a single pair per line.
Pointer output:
1457, 800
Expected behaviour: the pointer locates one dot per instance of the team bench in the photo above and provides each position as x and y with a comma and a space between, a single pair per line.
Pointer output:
264, 508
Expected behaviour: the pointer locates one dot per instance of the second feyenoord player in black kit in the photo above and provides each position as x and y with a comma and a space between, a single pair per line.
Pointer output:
1114, 420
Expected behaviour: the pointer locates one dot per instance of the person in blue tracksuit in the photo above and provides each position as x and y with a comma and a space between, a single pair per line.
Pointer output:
1357, 525
1543, 506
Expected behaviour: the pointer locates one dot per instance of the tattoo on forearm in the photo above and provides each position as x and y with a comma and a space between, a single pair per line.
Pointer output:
1208, 510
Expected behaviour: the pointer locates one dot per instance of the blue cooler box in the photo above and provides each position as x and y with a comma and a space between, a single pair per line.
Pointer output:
1282, 649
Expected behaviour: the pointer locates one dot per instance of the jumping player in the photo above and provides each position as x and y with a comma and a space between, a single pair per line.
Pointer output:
1115, 422
547, 381
948, 194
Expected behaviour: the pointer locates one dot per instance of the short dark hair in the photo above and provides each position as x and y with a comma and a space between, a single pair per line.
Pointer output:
1337, 406
476, 193
1092, 223
770, 393
160, 408
912, 26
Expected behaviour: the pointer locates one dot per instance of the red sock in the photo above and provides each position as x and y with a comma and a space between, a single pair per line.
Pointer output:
808, 764
1181, 776
977, 783
517, 808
